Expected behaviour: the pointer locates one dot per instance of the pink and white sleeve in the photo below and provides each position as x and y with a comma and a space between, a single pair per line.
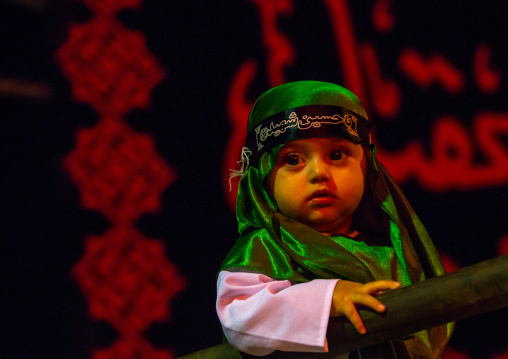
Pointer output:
260, 315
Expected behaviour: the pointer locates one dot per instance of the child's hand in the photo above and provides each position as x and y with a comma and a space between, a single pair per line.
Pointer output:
347, 295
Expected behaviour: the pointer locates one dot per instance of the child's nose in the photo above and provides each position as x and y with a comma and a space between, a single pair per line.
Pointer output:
318, 170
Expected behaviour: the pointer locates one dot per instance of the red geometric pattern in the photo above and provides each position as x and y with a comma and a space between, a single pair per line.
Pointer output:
109, 66
126, 278
118, 171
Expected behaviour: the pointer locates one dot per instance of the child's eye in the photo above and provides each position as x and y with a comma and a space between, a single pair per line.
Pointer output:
337, 155
292, 159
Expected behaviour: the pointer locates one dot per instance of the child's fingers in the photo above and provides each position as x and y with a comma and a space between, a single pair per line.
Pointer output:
368, 301
354, 317
374, 288
348, 295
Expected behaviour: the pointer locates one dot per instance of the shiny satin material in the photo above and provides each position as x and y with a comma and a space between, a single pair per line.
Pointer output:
392, 244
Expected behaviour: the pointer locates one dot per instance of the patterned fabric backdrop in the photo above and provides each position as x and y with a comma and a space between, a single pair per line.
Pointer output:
123, 118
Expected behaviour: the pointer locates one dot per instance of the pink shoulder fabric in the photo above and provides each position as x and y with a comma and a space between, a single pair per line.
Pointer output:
260, 315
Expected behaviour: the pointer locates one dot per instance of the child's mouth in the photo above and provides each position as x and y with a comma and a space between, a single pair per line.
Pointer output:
321, 195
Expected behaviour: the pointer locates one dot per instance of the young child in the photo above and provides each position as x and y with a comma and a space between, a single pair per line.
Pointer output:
323, 229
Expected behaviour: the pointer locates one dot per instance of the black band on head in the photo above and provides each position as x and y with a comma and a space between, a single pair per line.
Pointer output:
306, 122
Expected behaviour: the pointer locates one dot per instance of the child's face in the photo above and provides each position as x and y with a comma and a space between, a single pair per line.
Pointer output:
319, 182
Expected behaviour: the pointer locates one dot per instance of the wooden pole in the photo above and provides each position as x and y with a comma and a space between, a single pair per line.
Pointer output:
470, 291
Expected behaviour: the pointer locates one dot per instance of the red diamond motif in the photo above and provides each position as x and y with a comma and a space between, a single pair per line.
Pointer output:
118, 171
127, 279
109, 66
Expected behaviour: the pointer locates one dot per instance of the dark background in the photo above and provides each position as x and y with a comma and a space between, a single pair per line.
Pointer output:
201, 45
